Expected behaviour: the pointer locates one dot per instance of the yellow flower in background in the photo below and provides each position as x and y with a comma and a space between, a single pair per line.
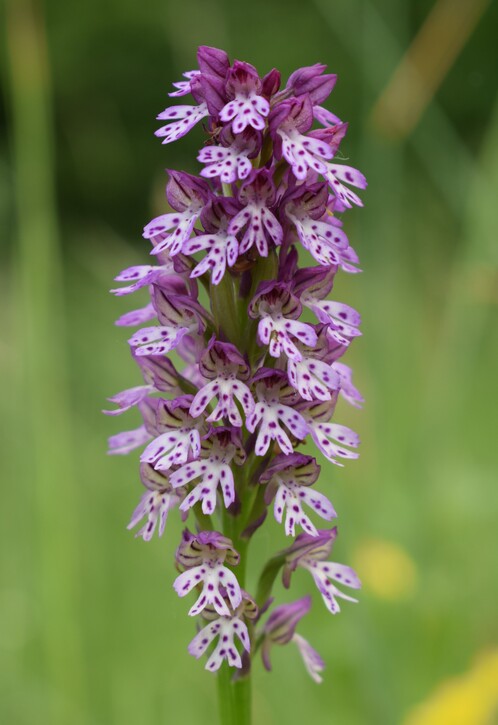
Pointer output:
470, 699
386, 569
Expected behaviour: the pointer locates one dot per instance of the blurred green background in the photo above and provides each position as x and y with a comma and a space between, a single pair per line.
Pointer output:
91, 632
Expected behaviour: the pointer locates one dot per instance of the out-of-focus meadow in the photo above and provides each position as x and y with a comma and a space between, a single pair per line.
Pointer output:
91, 632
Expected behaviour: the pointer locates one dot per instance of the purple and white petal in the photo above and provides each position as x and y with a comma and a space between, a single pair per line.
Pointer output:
228, 163
184, 87
154, 505
246, 111
304, 153
122, 443
157, 340
137, 317
312, 660
348, 391
314, 379
127, 399
171, 231
183, 119
142, 276
336, 174
331, 438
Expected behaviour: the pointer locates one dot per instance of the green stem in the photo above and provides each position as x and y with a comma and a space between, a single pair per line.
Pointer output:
225, 306
225, 695
204, 521
267, 578
242, 701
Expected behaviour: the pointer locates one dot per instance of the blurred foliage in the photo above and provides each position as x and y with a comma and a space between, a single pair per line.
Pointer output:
90, 630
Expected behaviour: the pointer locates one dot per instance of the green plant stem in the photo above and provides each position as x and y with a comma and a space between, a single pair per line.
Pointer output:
231, 320
234, 695
241, 703
225, 696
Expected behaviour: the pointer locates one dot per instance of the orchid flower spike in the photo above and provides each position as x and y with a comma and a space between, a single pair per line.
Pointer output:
240, 349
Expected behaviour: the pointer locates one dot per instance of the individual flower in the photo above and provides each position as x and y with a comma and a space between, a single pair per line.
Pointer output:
287, 479
220, 245
247, 107
187, 195
231, 631
280, 629
256, 195
155, 503
278, 309
306, 208
231, 160
330, 438
226, 629
310, 552
312, 286
313, 375
178, 315
275, 398
289, 121
179, 434
203, 557
226, 369
213, 468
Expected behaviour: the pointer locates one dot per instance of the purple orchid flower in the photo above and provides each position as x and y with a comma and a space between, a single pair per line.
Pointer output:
280, 629
310, 553
203, 557
156, 503
213, 469
256, 195
287, 480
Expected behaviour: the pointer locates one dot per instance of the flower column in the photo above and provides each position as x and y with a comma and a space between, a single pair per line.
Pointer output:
222, 431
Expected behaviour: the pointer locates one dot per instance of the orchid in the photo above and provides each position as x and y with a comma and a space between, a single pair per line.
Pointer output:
258, 346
